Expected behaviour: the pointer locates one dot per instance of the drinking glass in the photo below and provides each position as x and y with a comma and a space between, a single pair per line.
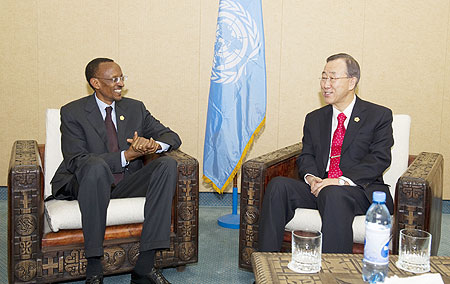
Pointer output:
414, 251
306, 251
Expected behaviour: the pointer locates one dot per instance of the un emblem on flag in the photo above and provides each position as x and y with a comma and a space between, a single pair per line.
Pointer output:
237, 42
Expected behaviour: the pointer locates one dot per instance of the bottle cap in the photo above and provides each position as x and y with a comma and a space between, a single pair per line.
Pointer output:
379, 196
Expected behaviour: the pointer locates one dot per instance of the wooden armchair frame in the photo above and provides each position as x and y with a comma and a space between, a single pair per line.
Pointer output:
35, 257
418, 199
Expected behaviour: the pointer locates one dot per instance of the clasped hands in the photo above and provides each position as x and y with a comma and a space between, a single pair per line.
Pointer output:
317, 184
140, 146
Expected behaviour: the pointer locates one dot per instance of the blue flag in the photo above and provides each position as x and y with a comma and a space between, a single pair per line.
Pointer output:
237, 94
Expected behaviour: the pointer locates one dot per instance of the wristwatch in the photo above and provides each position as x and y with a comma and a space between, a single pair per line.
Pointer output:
341, 181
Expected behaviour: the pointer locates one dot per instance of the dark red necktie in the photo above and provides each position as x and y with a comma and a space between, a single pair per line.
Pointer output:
336, 146
113, 142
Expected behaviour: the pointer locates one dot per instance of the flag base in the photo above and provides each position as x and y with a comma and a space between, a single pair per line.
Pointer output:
230, 221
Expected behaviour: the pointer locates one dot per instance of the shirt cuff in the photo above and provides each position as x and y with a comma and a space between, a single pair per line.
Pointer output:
350, 182
306, 177
164, 147
123, 160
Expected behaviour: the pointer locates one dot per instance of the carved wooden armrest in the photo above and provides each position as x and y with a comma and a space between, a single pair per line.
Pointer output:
186, 215
418, 199
255, 175
25, 209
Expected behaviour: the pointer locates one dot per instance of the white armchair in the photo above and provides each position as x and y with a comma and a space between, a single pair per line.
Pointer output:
49, 247
417, 193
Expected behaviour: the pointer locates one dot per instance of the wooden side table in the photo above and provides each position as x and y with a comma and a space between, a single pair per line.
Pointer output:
336, 268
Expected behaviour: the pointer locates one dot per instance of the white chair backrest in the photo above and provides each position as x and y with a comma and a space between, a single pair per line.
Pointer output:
53, 153
400, 151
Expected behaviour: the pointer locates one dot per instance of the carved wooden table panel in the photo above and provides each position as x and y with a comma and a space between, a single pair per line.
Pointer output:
336, 268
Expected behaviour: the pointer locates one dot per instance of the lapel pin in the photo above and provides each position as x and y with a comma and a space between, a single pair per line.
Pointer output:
356, 119
122, 117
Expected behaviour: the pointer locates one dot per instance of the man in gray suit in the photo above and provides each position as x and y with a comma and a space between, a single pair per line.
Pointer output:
104, 139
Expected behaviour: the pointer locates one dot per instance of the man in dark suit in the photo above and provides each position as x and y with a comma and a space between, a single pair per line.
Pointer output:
346, 148
104, 139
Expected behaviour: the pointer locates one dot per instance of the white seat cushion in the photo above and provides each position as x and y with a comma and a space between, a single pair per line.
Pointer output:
63, 214
310, 218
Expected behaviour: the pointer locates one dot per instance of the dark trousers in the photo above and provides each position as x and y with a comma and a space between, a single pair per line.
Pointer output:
337, 205
156, 181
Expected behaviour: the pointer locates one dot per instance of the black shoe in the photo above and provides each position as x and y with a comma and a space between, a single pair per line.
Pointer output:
154, 277
96, 279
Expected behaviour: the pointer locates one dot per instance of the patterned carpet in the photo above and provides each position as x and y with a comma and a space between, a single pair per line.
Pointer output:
218, 247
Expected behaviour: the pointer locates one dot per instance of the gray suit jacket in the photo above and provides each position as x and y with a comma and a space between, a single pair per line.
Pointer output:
83, 134
366, 150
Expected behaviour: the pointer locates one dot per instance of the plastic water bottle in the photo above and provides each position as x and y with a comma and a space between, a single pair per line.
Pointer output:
376, 243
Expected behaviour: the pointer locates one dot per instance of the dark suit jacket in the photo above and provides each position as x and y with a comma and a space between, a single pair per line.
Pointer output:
83, 134
366, 150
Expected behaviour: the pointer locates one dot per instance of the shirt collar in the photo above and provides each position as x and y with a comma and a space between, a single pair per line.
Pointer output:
347, 111
102, 105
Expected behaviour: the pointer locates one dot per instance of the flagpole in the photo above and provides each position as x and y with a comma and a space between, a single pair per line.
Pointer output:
231, 221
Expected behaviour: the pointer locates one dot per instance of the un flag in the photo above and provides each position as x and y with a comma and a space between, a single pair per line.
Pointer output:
237, 94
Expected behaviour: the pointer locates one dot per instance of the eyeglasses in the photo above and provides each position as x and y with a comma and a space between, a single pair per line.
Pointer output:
323, 80
115, 80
